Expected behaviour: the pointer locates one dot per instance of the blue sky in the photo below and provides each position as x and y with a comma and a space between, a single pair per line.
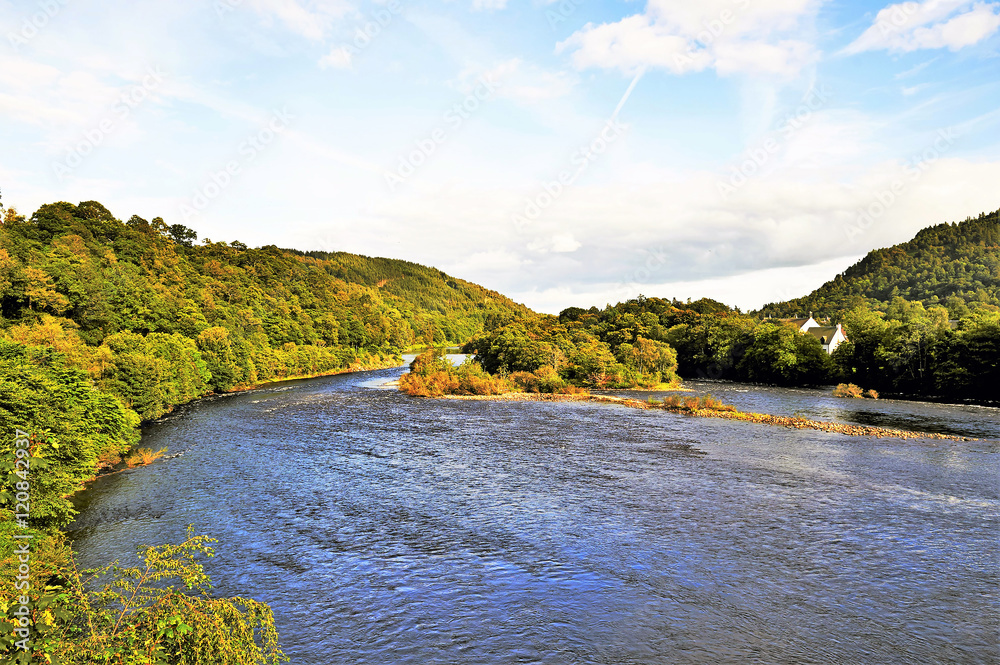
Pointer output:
564, 153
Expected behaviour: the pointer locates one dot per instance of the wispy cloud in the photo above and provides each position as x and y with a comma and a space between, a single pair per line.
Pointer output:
932, 24
730, 36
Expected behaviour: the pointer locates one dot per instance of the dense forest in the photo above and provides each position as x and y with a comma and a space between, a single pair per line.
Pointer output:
105, 324
953, 265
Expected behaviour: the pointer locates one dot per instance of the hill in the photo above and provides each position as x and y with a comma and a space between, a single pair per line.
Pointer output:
956, 266
452, 309
157, 319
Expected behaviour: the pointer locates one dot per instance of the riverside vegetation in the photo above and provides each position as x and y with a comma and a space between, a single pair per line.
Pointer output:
104, 325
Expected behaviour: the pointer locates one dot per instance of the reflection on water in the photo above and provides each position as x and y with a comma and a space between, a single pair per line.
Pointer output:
388, 529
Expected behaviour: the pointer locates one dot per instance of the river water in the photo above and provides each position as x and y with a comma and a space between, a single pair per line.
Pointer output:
387, 529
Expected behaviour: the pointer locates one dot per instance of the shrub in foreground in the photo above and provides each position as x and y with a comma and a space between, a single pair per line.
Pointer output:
157, 613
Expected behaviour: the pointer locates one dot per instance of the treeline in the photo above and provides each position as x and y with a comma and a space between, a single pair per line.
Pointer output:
907, 350
955, 266
711, 341
548, 354
58, 428
913, 351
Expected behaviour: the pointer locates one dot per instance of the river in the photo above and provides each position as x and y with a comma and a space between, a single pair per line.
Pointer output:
387, 529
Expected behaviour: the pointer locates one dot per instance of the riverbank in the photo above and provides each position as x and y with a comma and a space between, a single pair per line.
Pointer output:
790, 422
350, 369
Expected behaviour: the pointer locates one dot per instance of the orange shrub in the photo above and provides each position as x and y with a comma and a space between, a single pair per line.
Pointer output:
847, 390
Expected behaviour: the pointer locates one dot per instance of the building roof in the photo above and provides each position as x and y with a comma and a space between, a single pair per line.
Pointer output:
824, 331
798, 323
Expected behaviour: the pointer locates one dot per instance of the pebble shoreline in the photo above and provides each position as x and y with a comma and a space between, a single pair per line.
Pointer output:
790, 422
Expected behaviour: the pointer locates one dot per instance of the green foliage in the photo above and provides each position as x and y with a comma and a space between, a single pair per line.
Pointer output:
922, 354
157, 613
75, 428
152, 373
956, 266
439, 308
653, 339
618, 347
779, 354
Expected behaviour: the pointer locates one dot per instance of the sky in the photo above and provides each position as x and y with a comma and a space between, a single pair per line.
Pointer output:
565, 153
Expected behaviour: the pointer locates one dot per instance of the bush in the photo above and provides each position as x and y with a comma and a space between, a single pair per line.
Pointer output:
710, 403
156, 613
542, 380
848, 390
692, 403
432, 375
144, 456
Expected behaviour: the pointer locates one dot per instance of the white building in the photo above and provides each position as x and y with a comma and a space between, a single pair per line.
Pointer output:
829, 336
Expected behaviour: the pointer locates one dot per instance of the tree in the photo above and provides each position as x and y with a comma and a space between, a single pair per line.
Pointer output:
182, 235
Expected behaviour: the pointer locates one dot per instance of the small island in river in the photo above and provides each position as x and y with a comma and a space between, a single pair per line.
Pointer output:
433, 375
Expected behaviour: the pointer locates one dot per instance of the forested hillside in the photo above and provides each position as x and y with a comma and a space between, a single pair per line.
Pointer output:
450, 308
158, 319
956, 266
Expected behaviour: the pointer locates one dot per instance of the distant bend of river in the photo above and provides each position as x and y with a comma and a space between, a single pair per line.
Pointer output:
386, 529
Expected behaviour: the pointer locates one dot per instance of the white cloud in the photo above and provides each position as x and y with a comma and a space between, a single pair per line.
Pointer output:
911, 26
39, 94
731, 36
657, 236
560, 243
